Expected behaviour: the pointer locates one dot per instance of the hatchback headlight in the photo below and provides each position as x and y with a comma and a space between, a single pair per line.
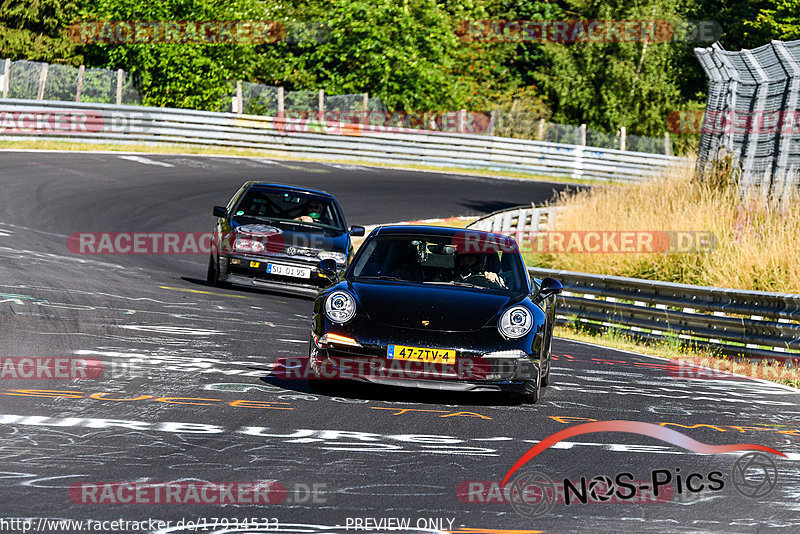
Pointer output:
248, 245
515, 322
340, 307
339, 257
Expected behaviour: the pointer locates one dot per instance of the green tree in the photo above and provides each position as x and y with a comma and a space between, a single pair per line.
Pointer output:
605, 84
780, 20
405, 52
187, 75
36, 30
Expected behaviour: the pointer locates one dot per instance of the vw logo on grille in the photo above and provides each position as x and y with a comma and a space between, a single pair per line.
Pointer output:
291, 251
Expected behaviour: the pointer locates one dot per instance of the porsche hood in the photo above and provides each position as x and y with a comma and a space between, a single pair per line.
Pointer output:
441, 308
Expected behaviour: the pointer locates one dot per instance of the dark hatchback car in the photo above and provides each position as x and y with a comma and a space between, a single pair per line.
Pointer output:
435, 307
273, 236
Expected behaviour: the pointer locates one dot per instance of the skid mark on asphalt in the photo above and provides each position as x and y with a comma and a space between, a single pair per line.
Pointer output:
175, 330
32, 256
24, 300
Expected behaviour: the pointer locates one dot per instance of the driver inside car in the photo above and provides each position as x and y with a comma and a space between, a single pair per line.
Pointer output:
471, 264
313, 211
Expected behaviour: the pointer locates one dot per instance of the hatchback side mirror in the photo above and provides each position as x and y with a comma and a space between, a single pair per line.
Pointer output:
327, 268
549, 287
357, 231
220, 211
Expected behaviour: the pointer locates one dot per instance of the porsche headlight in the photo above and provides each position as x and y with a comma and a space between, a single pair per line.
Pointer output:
515, 322
339, 257
340, 307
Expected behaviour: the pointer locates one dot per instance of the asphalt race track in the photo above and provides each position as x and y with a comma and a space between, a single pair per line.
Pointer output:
186, 395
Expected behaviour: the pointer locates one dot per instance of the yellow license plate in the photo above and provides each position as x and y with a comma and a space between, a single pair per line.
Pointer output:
255, 264
419, 354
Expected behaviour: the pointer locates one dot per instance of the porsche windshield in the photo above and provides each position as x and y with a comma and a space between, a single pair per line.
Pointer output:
442, 261
296, 207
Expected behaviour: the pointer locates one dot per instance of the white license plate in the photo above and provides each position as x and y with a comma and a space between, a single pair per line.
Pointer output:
288, 270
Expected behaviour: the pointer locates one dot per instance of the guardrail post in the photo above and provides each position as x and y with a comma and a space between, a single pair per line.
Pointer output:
366, 107
582, 132
281, 109
540, 131
42, 81
239, 99
462, 117
6, 78
667, 145
321, 105
623, 138
120, 75
81, 74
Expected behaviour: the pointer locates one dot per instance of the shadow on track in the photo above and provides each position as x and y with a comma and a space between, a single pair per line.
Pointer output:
356, 390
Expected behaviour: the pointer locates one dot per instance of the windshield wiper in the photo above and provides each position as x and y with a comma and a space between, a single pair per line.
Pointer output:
382, 277
298, 223
455, 283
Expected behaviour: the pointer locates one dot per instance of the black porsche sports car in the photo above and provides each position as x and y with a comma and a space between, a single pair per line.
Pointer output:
273, 236
435, 307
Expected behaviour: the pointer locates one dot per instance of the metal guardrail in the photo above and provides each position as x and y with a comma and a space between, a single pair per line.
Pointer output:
104, 123
753, 324
516, 221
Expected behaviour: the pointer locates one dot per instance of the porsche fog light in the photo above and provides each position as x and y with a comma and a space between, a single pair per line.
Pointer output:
340, 307
515, 322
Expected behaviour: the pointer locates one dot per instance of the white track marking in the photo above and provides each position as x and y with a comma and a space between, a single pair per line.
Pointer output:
146, 161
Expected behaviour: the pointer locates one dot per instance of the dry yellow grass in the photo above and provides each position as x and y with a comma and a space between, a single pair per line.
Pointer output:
757, 238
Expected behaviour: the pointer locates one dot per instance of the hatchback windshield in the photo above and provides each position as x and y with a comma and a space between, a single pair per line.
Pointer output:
280, 205
441, 261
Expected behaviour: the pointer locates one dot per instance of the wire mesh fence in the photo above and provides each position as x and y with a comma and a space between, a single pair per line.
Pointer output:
98, 86
23, 79
524, 125
640, 143
32, 80
259, 99
62, 83
753, 114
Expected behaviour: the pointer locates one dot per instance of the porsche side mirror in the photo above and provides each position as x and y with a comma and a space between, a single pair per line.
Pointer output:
549, 287
357, 231
327, 268
220, 211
